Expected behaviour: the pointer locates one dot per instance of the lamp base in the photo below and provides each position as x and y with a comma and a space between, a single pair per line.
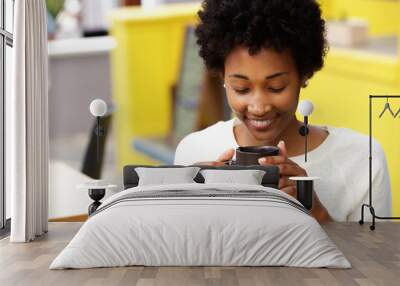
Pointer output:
305, 193
305, 187
96, 195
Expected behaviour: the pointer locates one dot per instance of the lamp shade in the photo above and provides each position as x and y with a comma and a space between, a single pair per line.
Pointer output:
98, 107
305, 107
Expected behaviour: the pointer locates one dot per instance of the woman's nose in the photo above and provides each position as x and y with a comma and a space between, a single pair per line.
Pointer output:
259, 105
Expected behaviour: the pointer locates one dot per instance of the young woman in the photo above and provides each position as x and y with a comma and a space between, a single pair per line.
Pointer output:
266, 51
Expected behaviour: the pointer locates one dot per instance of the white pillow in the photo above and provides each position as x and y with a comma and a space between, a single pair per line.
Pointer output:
247, 177
166, 176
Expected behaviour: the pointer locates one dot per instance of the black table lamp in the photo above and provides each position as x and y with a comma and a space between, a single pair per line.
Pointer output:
97, 188
305, 185
98, 108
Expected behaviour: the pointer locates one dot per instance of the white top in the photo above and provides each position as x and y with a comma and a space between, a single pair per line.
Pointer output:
341, 163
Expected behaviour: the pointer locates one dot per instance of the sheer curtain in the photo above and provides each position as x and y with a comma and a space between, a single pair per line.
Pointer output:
27, 124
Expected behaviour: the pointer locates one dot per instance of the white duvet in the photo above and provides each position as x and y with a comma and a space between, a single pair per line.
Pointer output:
204, 231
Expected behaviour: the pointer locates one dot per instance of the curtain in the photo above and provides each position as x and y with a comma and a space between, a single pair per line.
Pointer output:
27, 143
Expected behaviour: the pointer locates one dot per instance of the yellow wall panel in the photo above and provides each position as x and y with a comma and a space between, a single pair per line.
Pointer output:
145, 65
326, 7
383, 15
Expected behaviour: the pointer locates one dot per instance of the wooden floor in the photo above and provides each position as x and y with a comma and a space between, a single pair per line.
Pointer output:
375, 257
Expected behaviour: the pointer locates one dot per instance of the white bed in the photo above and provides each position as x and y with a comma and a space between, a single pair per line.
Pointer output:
242, 229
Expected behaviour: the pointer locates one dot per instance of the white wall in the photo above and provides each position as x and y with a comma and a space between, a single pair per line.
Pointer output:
79, 71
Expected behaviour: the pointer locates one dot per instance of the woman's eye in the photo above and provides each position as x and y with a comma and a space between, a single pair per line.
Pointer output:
277, 90
242, 91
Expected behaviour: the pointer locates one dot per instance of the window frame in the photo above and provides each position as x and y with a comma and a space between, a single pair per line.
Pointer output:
6, 39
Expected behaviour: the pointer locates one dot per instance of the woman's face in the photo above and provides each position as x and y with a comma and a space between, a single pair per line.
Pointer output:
262, 90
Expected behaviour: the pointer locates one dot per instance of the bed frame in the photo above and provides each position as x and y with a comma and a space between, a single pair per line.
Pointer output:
270, 179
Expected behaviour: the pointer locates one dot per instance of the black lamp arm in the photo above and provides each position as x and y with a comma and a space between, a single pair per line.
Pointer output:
99, 133
99, 129
303, 131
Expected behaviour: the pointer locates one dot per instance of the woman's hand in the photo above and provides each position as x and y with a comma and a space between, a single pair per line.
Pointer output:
222, 160
288, 168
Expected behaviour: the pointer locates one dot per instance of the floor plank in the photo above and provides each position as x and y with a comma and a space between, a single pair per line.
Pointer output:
375, 257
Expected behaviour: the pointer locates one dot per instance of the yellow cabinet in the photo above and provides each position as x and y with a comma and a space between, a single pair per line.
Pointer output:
145, 66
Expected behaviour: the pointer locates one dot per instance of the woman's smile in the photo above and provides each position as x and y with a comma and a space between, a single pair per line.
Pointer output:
260, 125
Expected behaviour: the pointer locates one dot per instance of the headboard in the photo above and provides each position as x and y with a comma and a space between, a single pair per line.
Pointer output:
270, 179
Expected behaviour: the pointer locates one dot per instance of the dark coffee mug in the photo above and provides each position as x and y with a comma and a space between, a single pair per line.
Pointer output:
246, 156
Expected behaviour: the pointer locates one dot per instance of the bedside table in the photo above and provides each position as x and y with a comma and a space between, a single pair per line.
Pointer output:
96, 191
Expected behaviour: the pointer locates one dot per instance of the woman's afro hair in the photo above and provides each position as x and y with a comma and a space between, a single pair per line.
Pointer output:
295, 25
